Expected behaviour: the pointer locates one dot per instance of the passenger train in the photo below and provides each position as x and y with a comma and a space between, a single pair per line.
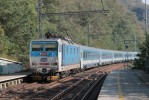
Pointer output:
60, 56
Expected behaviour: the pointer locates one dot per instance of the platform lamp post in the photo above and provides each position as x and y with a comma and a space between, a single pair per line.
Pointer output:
126, 42
88, 43
146, 58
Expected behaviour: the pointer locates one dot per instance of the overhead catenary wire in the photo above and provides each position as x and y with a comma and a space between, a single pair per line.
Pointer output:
69, 13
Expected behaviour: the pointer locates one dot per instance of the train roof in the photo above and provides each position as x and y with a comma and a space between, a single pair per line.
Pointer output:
64, 41
105, 49
45, 40
69, 41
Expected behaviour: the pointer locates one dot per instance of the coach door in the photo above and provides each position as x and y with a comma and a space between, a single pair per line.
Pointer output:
81, 62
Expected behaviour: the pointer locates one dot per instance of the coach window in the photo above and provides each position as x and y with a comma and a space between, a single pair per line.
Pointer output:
67, 50
70, 50
85, 55
93, 55
74, 50
97, 55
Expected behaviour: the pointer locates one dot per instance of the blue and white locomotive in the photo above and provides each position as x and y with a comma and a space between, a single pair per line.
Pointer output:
56, 57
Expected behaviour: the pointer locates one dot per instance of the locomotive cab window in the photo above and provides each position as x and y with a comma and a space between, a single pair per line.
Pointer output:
37, 47
51, 47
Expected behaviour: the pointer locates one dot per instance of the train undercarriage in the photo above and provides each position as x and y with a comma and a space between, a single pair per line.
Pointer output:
53, 75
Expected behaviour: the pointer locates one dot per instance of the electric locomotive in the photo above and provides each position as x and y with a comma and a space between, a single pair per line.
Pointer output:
51, 58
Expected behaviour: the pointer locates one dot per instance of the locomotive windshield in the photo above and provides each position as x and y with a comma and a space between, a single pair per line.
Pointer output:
51, 47
44, 46
37, 47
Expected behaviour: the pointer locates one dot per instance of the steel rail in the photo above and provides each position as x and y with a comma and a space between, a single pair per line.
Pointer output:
93, 86
98, 79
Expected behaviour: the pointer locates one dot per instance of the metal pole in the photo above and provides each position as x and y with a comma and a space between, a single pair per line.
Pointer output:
88, 33
39, 18
135, 43
146, 62
127, 58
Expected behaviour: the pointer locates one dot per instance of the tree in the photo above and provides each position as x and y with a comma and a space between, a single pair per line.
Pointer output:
140, 62
19, 22
1, 39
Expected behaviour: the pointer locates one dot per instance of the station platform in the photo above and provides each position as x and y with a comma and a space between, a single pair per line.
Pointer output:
12, 79
125, 84
13, 76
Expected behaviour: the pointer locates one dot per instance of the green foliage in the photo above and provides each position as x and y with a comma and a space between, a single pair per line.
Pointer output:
19, 24
18, 19
1, 39
119, 24
140, 62
139, 12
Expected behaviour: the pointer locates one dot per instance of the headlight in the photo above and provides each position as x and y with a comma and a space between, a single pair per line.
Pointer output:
44, 70
55, 64
34, 64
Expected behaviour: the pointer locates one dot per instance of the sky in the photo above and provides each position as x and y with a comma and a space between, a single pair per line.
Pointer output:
146, 1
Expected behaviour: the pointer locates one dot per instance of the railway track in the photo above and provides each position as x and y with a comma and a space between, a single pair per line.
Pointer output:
64, 89
82, 89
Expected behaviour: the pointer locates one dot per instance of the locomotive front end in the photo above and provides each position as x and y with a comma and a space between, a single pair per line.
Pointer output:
44, 58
